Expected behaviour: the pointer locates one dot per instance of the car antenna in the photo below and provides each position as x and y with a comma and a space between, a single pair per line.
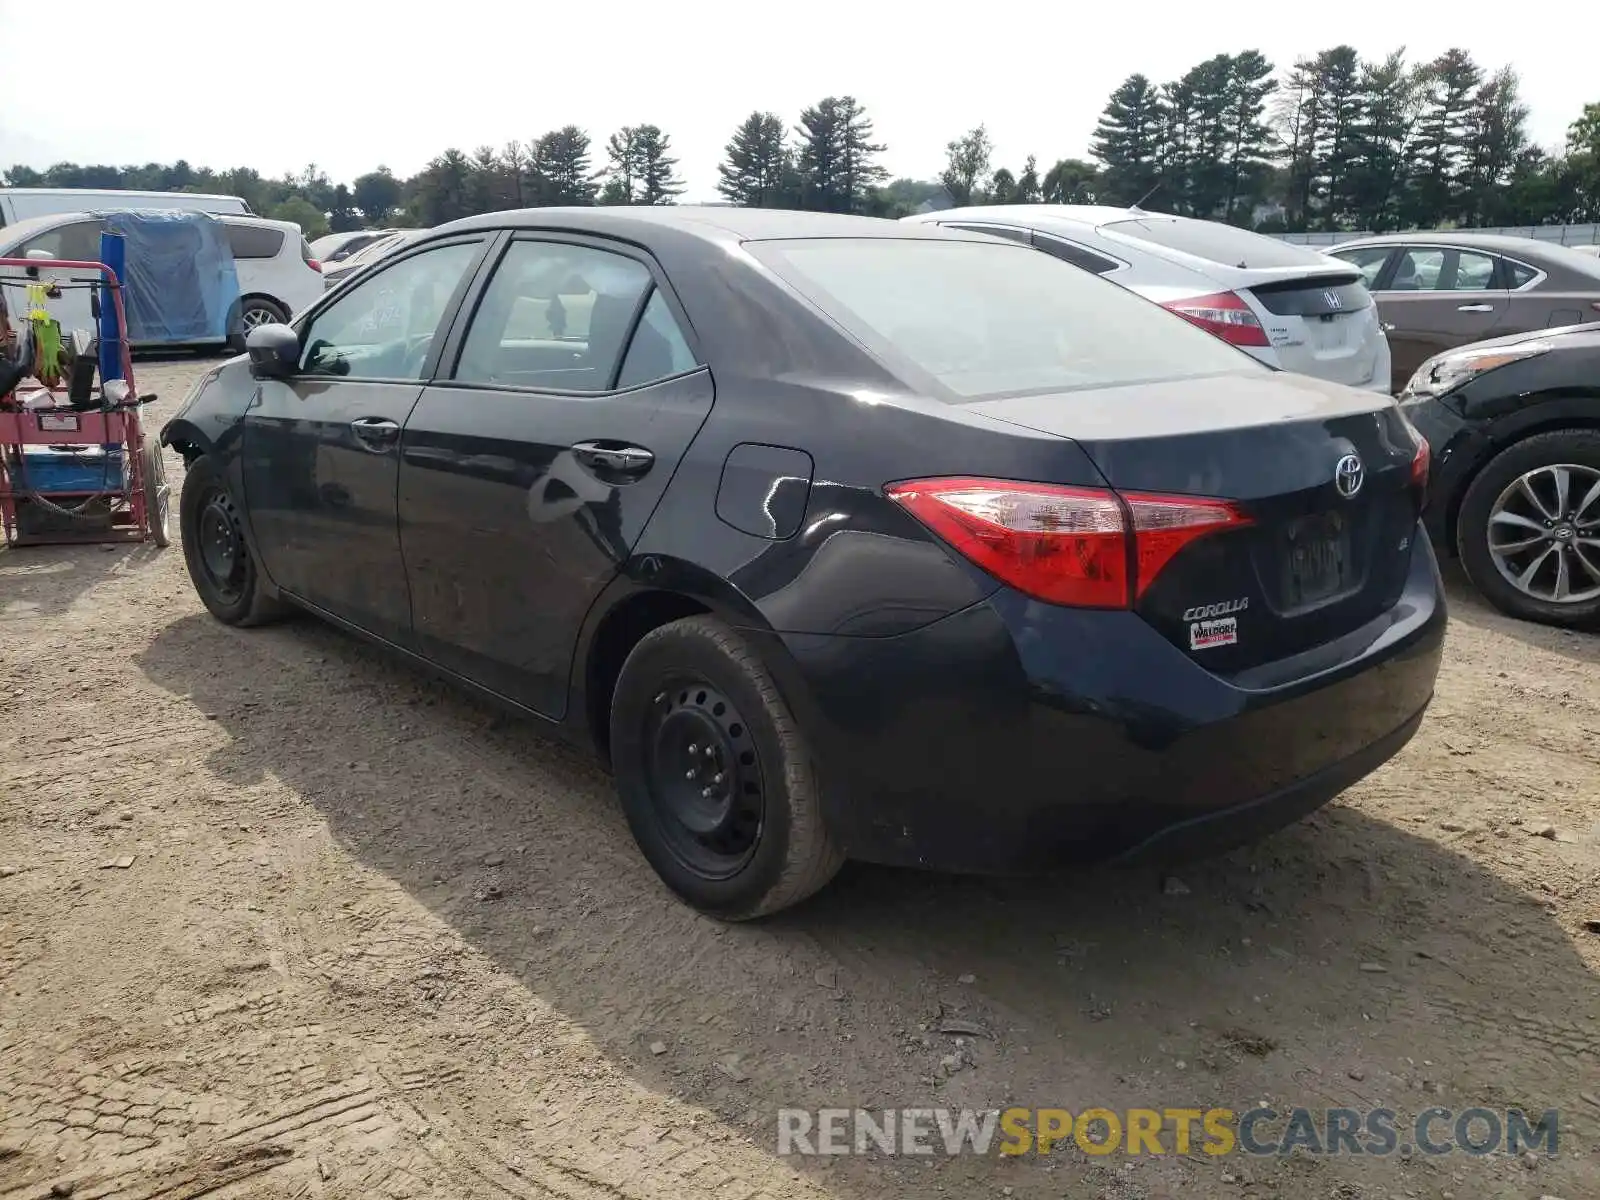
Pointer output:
1138, 205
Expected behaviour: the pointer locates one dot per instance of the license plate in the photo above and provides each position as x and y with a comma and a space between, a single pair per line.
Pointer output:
1316, 560
59, 423
1329, 335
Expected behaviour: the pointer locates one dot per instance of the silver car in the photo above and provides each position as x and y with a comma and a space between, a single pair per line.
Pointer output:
1288, 306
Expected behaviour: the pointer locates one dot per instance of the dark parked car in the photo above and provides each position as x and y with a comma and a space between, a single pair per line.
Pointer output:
1436, 291
836, 537
1514, 425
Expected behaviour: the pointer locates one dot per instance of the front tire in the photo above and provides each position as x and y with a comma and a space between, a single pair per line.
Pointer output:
715, 777
1528, 532
221, 564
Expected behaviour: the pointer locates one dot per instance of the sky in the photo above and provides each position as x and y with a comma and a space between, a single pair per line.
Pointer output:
349, 85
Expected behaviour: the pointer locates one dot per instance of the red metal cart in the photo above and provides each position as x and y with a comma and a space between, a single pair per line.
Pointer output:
128, 501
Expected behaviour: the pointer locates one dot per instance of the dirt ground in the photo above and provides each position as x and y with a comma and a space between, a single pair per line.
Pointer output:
378, 941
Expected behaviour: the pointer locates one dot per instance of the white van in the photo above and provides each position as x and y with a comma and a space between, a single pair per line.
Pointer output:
277, 275
20, 204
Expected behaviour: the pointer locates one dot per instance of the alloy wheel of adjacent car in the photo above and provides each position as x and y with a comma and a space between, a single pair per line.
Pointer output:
259, 312
1529, 528
1544, 533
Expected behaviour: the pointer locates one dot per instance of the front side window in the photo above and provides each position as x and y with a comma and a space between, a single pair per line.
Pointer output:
383, 327
554, 316
78, 241
981, 319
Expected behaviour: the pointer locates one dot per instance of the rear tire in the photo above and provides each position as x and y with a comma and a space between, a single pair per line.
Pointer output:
1496, 499
715, 777
221, 564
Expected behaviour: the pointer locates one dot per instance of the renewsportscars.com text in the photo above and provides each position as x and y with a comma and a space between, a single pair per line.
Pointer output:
1257, 1131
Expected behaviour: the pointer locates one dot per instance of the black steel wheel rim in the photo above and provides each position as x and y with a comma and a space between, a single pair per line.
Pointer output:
706, 785
223, 556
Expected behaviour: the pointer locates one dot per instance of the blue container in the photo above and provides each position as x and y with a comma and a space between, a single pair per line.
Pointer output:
48, 470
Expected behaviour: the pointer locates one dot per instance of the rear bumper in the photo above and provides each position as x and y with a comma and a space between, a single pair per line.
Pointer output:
1017, 736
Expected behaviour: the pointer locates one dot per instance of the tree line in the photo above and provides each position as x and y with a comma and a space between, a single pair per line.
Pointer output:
1332, 142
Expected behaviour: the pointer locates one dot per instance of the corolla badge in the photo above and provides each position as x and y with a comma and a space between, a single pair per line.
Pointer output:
1349, 475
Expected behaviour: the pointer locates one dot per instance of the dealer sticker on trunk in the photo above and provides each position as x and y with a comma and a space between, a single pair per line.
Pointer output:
1206, 635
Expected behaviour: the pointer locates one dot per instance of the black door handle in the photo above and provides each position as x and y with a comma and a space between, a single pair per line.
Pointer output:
614, 458
376, 433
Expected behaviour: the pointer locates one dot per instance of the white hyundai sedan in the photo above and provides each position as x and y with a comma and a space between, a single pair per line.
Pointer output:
1286, 305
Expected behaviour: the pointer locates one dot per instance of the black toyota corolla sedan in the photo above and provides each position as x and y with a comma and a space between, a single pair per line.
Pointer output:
837, 538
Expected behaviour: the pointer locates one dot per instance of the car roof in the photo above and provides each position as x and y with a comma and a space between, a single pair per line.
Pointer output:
708, 223
1505, 243
1033, 215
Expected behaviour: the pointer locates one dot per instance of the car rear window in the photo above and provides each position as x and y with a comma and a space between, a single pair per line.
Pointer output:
984, 319
1215, 242
254, 241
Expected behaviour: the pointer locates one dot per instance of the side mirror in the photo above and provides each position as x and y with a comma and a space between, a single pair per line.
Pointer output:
274, 350
37, 256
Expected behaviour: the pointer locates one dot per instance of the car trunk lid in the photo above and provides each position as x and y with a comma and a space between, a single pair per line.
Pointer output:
1322, 474
1321, 323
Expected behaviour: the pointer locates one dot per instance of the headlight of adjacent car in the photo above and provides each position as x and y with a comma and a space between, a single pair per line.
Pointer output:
199, 386
1446, 372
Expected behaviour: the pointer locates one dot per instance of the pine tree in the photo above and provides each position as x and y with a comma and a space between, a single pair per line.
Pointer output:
560, 168
1127, 141
1497, 139
1443, 142
836, 161
1390, 97
1248, 138
756, 172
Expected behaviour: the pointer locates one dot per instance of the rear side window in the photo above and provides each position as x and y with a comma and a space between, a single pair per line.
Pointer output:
254, 241
1368, 260
969, 320
1076, 255
1215, 242
1521, 274
658, 348
1009, 232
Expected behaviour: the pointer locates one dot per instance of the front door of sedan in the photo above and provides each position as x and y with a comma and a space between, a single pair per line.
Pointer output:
528, 472
1434, 298
322, 447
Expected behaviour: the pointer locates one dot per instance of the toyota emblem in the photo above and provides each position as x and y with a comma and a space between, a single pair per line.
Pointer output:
1349, 475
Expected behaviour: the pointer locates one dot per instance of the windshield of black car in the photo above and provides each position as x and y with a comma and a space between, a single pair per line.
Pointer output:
1215, 242
984, 319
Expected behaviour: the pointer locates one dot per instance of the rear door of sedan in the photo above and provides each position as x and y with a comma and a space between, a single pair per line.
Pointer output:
530, 466
1434, 298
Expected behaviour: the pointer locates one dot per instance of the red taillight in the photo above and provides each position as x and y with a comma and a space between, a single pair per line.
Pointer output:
1082, 547
314, 265
1224, 315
